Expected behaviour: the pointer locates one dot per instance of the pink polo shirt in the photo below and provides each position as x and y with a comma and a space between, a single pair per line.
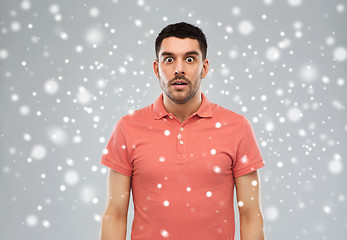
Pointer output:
183, 173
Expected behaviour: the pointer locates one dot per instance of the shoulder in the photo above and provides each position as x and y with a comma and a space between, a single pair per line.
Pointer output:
137, 116
228, 115
234, 121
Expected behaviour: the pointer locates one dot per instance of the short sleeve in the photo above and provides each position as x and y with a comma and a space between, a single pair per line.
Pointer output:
116, 155
248, 156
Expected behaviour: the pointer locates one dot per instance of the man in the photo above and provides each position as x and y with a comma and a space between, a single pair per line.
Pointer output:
182, 156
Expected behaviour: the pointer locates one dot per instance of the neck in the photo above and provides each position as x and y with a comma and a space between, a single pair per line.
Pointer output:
182, 111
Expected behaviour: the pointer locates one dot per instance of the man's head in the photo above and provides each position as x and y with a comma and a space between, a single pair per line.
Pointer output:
181, 62
182, 30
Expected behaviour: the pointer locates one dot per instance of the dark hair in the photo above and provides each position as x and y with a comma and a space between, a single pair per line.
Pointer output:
182, 30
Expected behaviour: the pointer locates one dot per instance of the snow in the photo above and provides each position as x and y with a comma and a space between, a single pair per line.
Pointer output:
25, 5
94, 36
240, 203
64, 36
83, 95
217, 169
51, 86
294, 114
167, 132
270, 126
308, 73
294, 3
27, 137
268, 2
24, 110
54, 9
340, 8
138, 23
335, 165
273, 54
38, 152
57, 135
31, 220
87, 193
46, 224
140, 2
70, 70
340, 54
218, 125
71, 177
94, 12
271, 213
236, 11
3, 54
330, 40
122, 70
246, 27
327, 209
164, 233
15, 26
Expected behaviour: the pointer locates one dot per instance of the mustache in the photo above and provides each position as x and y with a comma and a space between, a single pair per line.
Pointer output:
180, 77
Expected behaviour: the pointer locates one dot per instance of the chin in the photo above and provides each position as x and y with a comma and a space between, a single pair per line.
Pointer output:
180, 99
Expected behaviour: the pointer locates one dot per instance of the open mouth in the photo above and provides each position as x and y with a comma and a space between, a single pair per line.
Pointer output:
179, 83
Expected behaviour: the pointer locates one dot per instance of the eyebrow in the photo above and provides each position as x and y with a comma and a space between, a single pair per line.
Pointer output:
187, 53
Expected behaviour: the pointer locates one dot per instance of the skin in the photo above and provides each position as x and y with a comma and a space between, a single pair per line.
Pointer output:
114, 219
175, 63
251, 218
181, 59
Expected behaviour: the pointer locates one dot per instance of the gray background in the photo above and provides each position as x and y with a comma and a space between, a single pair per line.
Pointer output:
70, 69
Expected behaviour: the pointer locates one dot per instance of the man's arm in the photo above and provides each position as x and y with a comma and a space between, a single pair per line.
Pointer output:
114, 220
248, 198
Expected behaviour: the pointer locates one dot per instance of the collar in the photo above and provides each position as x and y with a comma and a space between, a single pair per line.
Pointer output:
205, 109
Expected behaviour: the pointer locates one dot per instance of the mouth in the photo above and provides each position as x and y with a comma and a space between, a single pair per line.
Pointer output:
179, 87
179, 82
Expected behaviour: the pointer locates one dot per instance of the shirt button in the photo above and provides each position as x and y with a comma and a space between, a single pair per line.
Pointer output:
181, 142
171, 117
182, 129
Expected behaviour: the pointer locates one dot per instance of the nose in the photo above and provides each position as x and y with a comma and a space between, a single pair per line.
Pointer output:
179, 68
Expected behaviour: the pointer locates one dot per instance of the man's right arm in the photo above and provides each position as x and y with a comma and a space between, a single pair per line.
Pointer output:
114, 219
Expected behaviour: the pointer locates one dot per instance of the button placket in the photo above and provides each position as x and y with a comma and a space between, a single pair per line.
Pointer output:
180, 142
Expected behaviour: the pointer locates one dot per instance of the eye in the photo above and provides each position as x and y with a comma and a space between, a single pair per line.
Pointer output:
169, 60
189, 59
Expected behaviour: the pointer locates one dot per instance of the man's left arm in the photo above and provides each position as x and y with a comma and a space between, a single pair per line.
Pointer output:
248, 198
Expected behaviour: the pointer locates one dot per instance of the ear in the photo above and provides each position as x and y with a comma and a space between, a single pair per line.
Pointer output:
205, 68
156, 68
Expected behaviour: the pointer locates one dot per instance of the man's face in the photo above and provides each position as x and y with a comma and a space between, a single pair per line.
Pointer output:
180, 68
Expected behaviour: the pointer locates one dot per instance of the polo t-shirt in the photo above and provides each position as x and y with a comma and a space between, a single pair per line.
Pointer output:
183, 173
